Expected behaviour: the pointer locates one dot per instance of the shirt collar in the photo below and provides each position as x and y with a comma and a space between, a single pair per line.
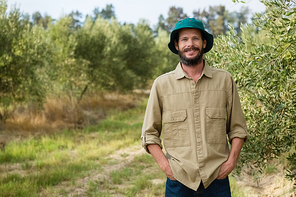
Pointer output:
207, 71
180, 73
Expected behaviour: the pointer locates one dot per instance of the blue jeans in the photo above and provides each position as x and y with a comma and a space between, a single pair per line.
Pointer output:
218, 188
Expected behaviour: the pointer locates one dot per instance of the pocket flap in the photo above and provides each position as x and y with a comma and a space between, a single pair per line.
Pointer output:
216, 112
176, 116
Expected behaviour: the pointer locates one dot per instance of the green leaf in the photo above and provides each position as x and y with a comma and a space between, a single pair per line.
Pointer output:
290, 13
287, 45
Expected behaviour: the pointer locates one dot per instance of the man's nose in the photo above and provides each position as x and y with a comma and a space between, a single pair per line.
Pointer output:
190, 42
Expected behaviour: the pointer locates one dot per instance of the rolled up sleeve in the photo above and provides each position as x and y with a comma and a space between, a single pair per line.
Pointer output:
152, 124
236, 123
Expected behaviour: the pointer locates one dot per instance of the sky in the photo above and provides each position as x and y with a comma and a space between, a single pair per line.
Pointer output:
129, 11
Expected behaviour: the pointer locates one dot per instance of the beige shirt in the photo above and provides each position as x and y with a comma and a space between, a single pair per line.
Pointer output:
196, 119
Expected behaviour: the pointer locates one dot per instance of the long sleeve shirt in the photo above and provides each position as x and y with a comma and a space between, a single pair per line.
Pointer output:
198, 120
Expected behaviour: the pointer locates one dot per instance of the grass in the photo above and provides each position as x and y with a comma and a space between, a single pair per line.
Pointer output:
56, 164
40, 163
61, 112
132, 180
236, 191
270, 169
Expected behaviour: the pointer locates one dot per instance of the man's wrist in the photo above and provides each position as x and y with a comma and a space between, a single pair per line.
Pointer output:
164, 165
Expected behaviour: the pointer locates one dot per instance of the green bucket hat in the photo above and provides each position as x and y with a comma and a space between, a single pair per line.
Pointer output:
190, 23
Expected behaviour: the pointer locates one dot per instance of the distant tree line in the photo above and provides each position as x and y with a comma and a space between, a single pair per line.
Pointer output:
216, 19
41, 56
45, 57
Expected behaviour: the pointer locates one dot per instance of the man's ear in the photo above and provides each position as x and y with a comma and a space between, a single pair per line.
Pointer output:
176, 45
204, 43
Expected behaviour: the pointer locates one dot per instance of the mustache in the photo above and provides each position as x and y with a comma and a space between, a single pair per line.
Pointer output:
194, 48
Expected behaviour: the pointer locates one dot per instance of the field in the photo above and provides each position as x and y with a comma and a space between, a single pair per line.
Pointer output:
101, 158
62, 133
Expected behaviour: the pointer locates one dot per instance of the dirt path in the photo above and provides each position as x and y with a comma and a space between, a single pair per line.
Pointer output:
268, 185
272, 185
118, 160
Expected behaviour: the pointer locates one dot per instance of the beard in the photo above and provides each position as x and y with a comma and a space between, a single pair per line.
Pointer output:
191, 61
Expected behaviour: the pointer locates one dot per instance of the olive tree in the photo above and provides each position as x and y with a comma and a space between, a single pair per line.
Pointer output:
263, 65
23, 52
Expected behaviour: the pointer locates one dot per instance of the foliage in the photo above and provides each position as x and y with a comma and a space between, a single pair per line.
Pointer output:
75, 18
23, 52
119, 56
263, 66
38, 19
65, 74
174, 15
42, 58
216, 19
68, 57
167, 61
107, 13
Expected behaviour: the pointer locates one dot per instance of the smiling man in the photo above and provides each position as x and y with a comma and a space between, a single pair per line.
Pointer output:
200, 111
190, 46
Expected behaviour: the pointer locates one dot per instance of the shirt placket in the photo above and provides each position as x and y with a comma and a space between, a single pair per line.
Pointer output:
197, 119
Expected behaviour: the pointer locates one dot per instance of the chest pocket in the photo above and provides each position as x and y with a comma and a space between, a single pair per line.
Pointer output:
216, 125
175, 131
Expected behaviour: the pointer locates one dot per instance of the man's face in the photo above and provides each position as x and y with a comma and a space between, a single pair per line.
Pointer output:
190, 46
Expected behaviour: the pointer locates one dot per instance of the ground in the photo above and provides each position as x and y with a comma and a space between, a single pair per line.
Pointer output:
270, 185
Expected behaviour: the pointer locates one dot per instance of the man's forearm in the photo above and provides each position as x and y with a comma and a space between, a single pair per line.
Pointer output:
161, 160
236, 146
227, 167
158, 155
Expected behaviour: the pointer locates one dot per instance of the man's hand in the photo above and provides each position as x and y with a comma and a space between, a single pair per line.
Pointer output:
162, 161
230, 164
169, 173
225, 169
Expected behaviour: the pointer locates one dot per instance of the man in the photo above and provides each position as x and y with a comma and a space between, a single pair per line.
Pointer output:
199, 107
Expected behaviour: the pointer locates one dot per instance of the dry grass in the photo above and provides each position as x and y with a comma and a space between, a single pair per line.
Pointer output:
272, 183
41, 164
62, 113
112, 161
